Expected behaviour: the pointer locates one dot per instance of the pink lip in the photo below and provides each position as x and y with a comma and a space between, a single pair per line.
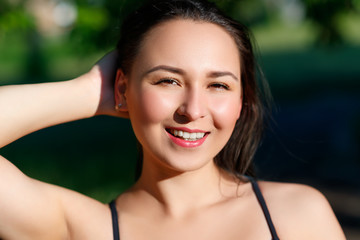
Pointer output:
187, 144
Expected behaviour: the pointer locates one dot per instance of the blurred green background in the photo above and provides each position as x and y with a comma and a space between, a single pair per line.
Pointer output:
309, 51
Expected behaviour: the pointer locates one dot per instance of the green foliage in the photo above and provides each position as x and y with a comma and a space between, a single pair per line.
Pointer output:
91, 18
249, 12
87, 34
325, 13
96, 30
14, 18
97, 23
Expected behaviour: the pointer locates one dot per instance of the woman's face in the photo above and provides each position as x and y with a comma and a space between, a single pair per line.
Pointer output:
184, 94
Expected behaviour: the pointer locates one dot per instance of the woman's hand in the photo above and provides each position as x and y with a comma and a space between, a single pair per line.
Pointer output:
28, 108
102, 76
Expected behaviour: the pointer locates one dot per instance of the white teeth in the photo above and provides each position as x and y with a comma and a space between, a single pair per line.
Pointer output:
187, 135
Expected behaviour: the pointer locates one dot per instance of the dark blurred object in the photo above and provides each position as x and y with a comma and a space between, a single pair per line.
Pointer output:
324, 14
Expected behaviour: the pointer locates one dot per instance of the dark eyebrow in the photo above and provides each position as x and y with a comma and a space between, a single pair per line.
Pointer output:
214, 74
217, 74
165, 68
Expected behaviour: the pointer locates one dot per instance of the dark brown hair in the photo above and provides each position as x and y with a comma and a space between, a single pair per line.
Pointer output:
236, 156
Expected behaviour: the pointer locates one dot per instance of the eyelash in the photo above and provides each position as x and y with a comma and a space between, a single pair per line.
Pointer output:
220, 86
167, 80
173, 81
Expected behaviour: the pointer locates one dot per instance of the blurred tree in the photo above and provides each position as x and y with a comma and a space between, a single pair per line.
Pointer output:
249, 12
14, 18
325, 13
97, 22
36, 69
99, 18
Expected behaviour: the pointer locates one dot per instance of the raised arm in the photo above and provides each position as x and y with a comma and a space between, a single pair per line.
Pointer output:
27, 108
30, 209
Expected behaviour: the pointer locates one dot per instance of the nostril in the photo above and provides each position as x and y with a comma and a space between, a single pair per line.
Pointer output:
192, 111
181, 118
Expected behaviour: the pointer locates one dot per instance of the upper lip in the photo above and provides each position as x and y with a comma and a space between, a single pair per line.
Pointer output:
184, 129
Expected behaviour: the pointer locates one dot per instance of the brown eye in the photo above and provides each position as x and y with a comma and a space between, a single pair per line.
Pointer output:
167, 81
219, 86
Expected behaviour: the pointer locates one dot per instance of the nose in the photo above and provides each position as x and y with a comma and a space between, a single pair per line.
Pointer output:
194, 105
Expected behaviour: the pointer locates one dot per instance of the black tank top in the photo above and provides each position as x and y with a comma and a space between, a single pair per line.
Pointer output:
259, 196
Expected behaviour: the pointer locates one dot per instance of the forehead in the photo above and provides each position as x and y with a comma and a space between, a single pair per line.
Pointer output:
189, 45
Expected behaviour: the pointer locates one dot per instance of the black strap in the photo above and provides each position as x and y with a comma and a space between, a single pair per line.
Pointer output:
265, 209
114, 217
258, 194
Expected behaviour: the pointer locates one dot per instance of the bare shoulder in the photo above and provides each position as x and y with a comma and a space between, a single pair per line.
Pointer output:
33, 209
87, 218
300, 211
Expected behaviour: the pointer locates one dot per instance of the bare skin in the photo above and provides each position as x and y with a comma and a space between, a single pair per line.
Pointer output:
181, 193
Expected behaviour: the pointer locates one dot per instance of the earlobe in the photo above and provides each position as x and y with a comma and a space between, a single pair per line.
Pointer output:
120, 89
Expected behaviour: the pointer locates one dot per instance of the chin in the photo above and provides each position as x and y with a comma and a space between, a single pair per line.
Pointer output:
183, 164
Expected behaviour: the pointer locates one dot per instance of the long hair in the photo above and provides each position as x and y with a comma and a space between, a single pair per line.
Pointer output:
236, 156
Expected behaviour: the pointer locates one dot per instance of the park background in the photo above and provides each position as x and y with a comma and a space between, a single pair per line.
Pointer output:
309, 51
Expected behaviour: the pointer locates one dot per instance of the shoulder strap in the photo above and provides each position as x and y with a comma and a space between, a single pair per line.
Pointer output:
265, 209
114, 217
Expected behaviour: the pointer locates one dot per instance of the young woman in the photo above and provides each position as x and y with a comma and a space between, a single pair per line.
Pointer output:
185, 79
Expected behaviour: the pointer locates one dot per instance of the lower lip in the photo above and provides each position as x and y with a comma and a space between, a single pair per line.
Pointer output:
187, 144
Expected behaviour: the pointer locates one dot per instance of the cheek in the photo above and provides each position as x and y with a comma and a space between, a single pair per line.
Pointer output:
150, 106
226, 111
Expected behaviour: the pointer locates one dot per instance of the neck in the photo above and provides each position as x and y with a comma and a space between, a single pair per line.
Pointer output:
181, 193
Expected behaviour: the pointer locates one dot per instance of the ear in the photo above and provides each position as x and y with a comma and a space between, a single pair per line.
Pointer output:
121, 82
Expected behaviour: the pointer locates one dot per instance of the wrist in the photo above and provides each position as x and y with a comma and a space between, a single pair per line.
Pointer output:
99, 86
88, 89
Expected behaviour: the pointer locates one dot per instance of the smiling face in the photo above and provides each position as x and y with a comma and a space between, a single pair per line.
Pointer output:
183, 93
